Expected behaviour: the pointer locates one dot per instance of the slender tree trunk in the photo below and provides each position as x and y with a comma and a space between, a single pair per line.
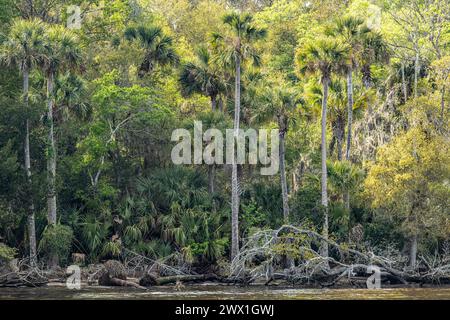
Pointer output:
442, 106
416, 73
213, 103
211, 178
234, 174
51, 155
332, 143
212, 168
413, 252
350, 112
340, 137
284, 189
324, 166
294, 183
30, 219
405, 93
220, 103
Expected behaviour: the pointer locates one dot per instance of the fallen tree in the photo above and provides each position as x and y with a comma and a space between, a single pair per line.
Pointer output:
261, 258
152, 279
16, 274
115, 274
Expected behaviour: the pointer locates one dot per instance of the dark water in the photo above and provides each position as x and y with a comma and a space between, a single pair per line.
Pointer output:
223, 293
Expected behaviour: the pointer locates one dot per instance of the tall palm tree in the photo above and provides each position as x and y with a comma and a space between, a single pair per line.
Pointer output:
62, 52
352, 31
204, 77
279, 102
23, 48
338, 101
158, 47
325, 56
236, 49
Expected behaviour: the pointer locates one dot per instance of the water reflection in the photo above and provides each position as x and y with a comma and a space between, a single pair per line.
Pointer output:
223, 293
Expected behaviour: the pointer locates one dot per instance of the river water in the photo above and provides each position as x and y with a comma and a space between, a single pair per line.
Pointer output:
215, 292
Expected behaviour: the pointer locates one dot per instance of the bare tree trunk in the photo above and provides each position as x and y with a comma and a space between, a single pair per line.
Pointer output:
350, 112
416, 73
213, 103
413, 252
211, 168
324, 166
405, 93
51, 155
211, 178
220, 103
234, 174
294, 183
30, 219
332, 143
284, 189
442, 106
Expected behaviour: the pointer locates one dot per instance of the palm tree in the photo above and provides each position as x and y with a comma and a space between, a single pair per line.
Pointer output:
158, 47
203, 77
352, 31
235, 50
61, 53
345, 177
374, 51
279, 102
23, 49
338, 101
326, 56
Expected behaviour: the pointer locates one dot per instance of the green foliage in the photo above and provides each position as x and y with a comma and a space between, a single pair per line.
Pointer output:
137, 70
56, 241
7, 253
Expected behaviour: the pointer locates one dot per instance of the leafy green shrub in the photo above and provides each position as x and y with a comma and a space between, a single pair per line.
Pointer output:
56, 241
6, 253
111, 249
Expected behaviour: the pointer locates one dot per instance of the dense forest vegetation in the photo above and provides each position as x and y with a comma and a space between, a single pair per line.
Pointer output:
359, 90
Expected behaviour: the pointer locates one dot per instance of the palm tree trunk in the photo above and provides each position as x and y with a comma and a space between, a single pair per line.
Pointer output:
416, 73
51, 155
211, 178
405, 93
234, 175
30, 219
413, 252
220, 103
340, 136
442, 106
284, 189
213, 103
350, 112
324, 166
332, 144
211, 168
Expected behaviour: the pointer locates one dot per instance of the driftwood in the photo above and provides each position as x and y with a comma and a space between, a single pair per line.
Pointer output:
114, 274
262, 259
13, 275
152, 279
